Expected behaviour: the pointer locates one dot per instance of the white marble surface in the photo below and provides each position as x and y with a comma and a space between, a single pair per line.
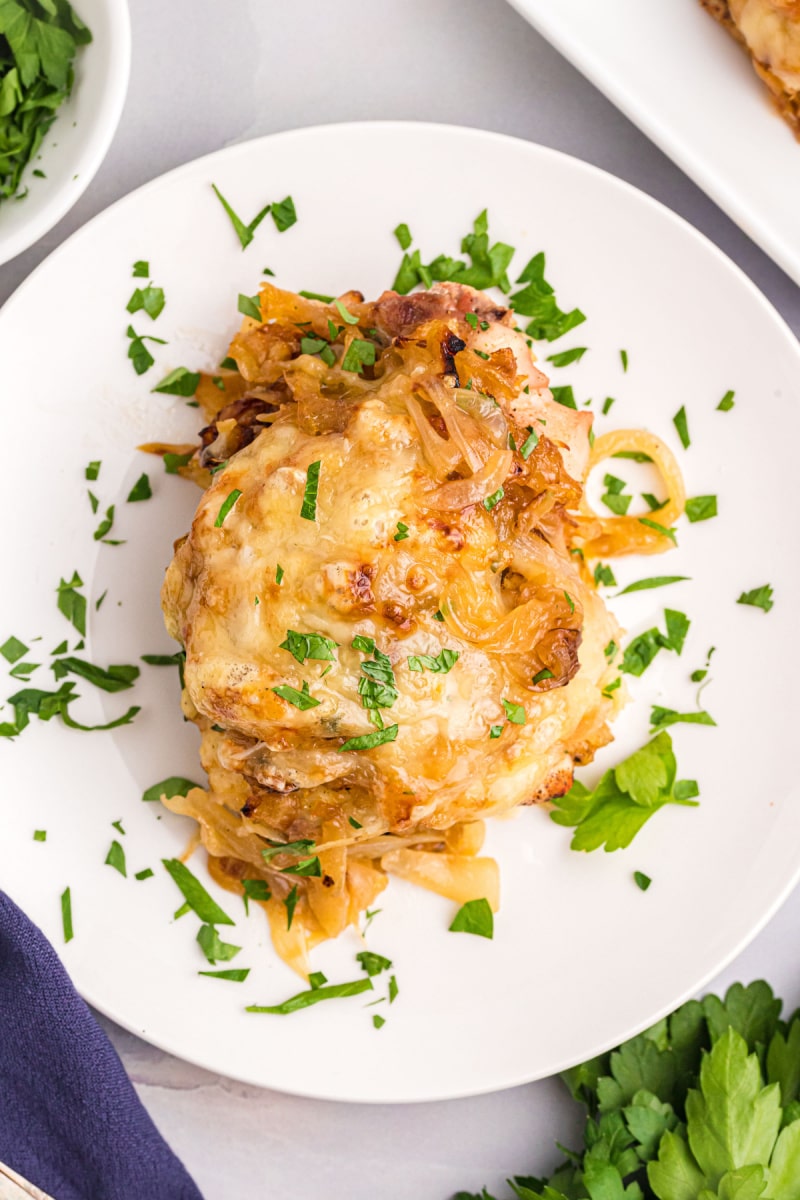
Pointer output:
207, 73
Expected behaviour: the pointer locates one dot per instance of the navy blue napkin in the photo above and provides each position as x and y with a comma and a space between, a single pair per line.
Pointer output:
70, 1121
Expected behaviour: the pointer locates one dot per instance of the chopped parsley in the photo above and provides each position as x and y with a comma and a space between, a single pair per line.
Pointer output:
302, 700
623, 357
476, 917
213, 946
250, 306
440, 664
150, 299
486, 268
290, 904
491, 501
13, 649
604, 575
174, 785
180, 382
116, 858
402, 532
321, 296
530, 443
227, 505
514, 712
358, 355
279, 574
71, 603
165, 660
234, 975
344, 313
662, 529
569, 601
641, 880
372, 963
378, 1021
147, 873
681, 423
309, 645
244, 232
308, 509
760, 597
110, 679
40, 835
660, 718
726, 403
403, 235
537, 300
173, 461
495, 731
653, 502
314, 995
93, 470
66, 915
652, 581
255, 889
141, 269
195, 894
564, 396
566, 357
368, 741
617, 502
701, 508
141, 490
141, 358
284, 214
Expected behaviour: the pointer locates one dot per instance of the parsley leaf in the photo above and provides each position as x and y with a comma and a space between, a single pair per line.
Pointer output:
402, 532
66, 914
195, 894
141, 490
726, 403
681, 423
403, 235
141, 358
642, 881
13, 649
309, 645
213, 947
227, 505
368, 741
604, 575
141, 269
760, 597
373, 964
116, 858
244, 232
358, 355
566, 357
110, 679
474, 917
652, 581
308, 509
660, 718
441, 663
180, 382
93, 470
302, 700
314, 995
564, 396
514, 712
250, 306
701, 508
234, 975
71, 603
624, 800
151, 299
284, 214
537, 300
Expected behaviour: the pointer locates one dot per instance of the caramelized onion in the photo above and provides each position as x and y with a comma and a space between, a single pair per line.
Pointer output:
451, 497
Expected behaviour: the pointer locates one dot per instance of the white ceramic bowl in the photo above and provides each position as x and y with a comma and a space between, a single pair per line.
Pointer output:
79, 138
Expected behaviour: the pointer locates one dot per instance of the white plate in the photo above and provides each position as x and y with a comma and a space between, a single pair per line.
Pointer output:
581, 958
78, 141
679, 76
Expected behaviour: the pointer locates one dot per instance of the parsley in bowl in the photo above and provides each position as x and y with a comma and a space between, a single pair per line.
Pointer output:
63, 77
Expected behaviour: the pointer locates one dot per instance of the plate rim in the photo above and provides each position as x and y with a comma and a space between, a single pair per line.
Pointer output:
591, 65
779, 323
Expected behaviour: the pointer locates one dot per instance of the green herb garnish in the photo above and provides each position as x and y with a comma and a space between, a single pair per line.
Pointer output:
234, 975
308, 509
147, 873
537, 300
760, 597
653, 581
530, 443
243, 232
641, 880
701, 508
565, 397
13, 649
606, 409
284, 214
515, 713
491, 501
254, 889
110, 679
141, 490
681, 423
40, 835
373, 964
726, 403
662, 529
227, 505
213, 947
141, 269
149, 299
440, 664
624, 800
403, 235
314, 995
660, 718
368, 741
623, 357
141, 358
93, 470
476, 917
180, 382
302, 700
402, 532
195, 894
542, 675
604, 575
66, 915
38, 44
71, 603
250, 306
359, 354
309, 645
290, 904
566, 357
116, 858
174, 785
